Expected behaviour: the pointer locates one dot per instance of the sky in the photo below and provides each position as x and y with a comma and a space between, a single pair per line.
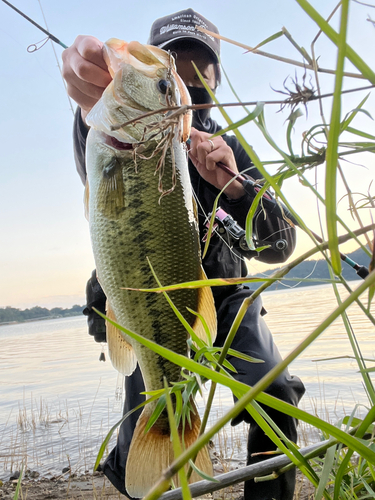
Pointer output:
45, 250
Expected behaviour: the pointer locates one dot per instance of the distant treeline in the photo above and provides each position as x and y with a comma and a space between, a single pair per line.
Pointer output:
11, 314
317, 270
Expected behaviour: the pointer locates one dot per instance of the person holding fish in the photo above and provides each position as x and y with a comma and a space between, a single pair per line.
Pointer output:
98, 79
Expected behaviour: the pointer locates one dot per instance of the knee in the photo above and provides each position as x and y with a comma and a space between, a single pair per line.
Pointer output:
288, 388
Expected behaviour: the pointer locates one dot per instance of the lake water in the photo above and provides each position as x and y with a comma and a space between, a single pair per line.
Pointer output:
57, 399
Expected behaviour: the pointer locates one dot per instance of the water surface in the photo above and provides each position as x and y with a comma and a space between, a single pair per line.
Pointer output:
57, 399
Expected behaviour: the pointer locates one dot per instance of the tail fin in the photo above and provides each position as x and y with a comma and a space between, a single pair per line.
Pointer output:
151, 453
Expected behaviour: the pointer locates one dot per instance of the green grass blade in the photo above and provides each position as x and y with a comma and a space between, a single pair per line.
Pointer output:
156, 413
350, 116
283, 444
189, 329
250, 217
293, 117
250, 117
371, 290
18, 487
177, 449
327, 469
360, 133
113, 428
343, 466
275, 36
255, 392
179, 405
205, 326
332, 147
201, 473
240, 355
353, 57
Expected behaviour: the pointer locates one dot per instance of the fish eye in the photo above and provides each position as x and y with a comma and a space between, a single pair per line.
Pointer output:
163, 86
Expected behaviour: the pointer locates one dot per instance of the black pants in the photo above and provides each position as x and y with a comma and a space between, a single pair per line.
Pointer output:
252, 338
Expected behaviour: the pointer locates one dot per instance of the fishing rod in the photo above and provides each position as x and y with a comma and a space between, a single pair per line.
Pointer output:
280, 210
50, 36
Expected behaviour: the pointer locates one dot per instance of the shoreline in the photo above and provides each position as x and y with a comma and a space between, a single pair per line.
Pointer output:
43, 318
96, 486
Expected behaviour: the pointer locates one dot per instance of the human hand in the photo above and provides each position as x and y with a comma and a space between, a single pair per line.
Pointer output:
205, 154
85, 72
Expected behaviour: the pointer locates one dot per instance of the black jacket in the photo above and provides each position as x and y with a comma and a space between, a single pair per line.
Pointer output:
220, 261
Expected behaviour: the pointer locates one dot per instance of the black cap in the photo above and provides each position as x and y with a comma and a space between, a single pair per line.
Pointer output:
182, 26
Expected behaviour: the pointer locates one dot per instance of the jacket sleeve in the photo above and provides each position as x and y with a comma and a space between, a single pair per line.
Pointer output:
80, 132
268, 227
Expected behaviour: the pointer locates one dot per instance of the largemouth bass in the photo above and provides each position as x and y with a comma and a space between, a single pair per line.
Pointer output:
140, 207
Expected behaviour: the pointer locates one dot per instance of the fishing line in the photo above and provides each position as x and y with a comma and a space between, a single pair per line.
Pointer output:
217, 233
57, 60
207, 218
281, 211
36, 46
52, 37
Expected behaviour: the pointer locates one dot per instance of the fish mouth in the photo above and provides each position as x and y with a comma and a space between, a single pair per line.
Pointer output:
119, 145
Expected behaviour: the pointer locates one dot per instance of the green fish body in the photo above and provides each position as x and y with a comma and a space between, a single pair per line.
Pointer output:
141, 212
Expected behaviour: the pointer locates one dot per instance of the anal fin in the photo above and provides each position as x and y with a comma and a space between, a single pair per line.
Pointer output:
120, 352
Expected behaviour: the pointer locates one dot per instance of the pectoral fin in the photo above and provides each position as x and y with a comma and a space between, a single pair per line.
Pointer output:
206, 308
111, 193
120, 352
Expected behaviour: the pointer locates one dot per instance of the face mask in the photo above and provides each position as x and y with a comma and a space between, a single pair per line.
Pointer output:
199, 95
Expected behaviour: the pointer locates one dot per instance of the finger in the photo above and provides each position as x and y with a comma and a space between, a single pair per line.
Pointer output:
82, 99
223, 155
194, 141
196, 138
91, 49
89, 72
203, 149
85, 95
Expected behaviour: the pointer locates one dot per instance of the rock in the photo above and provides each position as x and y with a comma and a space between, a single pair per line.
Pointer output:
34, 474
66, 469
15, 475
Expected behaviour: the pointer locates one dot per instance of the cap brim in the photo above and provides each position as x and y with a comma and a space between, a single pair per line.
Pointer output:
164, 45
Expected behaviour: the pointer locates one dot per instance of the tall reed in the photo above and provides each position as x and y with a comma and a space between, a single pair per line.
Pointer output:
347, 469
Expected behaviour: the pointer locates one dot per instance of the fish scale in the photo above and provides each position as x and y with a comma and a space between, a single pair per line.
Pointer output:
154, 228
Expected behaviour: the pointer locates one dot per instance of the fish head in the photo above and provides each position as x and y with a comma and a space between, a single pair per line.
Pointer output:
144, 80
